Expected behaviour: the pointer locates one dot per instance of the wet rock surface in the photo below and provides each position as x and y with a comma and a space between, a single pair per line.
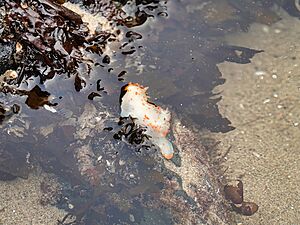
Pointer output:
199, 180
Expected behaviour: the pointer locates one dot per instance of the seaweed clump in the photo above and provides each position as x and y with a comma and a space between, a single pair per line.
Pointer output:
56, 39
51, 35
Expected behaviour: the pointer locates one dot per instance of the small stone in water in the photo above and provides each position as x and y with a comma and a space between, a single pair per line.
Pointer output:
99, 158
131, 218
121, 162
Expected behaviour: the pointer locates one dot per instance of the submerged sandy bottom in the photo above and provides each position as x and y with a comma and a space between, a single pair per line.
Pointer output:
262, 101
20, 202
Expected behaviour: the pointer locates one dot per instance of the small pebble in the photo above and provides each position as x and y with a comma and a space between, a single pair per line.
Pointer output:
131, 218
99, 158
274, 76
256, 154
266, 29
121, 162
277, 31
260, 73
70, 206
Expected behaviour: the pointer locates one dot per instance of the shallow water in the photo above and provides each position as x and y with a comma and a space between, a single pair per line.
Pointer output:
69, 84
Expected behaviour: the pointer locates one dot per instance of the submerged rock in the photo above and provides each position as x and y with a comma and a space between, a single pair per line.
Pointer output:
199, 180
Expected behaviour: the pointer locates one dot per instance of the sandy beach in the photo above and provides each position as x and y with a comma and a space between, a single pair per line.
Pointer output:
21, 202
261, 99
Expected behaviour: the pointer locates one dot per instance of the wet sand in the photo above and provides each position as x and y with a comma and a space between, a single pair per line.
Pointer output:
20, 202
262, 101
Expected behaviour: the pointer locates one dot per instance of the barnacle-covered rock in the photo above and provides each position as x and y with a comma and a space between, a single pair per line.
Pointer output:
199, 181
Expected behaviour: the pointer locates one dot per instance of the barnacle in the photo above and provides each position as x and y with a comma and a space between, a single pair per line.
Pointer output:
134, 103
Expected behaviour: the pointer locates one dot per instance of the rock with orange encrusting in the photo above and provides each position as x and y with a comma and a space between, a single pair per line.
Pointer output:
134, 103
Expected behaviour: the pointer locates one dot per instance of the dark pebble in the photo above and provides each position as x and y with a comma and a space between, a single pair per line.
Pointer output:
234, 193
